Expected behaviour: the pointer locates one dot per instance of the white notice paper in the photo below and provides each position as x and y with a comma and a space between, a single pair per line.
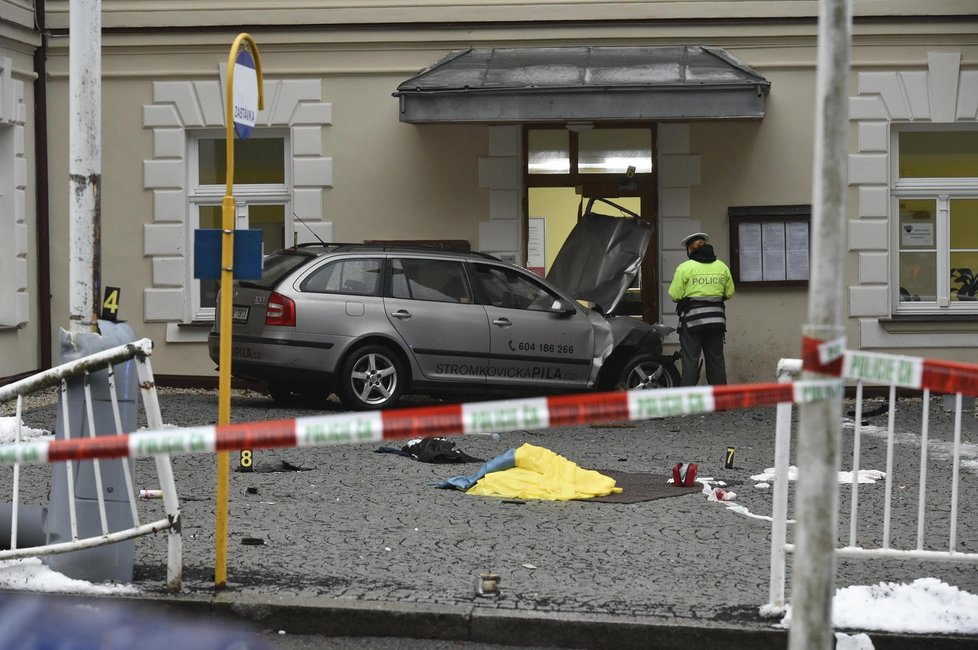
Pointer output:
772, 240
797, 261
536, 242
750, 252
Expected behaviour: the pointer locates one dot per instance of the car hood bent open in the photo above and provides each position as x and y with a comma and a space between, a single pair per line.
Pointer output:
601, 257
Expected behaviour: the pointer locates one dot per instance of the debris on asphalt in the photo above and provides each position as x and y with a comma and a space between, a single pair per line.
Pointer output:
431, 450
487, 585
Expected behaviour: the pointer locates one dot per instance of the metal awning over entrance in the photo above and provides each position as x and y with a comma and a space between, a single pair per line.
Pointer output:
593, 84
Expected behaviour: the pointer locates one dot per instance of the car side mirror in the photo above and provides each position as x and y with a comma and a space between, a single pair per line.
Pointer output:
565, 307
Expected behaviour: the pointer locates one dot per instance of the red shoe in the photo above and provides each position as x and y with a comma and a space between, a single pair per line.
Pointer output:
684, 475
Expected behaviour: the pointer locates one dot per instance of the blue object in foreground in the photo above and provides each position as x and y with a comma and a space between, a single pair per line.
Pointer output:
501, 462
62, 623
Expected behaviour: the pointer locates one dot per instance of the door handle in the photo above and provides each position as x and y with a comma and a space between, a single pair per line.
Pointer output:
502, 322
403, 314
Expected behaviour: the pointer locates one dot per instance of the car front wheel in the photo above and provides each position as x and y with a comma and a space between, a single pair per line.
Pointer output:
372, 377
648, 371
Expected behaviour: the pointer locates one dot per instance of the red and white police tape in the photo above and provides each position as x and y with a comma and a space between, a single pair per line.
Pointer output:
938, 376
452, 419
828, 358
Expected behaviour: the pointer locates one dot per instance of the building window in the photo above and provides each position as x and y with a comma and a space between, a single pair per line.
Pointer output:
936, 194
586, 151
938, 154
615, 151
261, 196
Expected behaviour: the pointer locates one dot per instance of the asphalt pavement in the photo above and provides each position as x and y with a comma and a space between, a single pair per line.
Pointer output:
344, 541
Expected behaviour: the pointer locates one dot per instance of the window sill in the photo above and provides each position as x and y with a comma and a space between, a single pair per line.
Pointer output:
192, 332
929, 323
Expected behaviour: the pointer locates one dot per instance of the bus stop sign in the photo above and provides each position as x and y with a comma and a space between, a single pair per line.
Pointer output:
245, 108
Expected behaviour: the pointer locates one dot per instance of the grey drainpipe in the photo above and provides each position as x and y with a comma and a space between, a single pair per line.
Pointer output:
41, 181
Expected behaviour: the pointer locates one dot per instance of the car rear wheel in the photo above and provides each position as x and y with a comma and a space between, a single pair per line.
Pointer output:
648, 371
371, 377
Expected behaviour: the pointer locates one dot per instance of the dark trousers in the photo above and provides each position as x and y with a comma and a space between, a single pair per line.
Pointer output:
709, 343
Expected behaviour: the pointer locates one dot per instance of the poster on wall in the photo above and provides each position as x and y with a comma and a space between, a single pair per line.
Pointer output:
536, 246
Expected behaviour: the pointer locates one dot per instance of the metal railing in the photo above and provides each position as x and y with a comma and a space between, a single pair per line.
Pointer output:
138, 352
894, 371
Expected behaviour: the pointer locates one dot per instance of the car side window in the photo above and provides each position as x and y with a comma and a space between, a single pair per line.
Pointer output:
358, 277
421, 279
510, 290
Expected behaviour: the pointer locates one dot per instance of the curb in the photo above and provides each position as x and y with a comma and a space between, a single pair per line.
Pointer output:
330, 617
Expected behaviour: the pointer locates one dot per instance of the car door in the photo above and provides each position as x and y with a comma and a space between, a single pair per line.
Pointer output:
338, 302
430, 304
531, 342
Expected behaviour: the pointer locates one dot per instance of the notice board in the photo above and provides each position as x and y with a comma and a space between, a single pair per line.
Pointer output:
770, 245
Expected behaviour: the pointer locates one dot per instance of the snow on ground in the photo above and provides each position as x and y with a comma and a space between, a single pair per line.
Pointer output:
865, 476
29, 574
926, 606
8, 431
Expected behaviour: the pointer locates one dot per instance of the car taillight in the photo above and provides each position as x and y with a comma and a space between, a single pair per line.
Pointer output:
280, 310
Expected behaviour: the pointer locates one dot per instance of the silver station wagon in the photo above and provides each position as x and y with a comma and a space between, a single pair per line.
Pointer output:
371, 323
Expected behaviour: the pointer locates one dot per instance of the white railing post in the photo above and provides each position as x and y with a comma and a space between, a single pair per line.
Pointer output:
922, 491
15, 506
171, 505
117, 420
955, 475
856, 450
888, 489
788, 369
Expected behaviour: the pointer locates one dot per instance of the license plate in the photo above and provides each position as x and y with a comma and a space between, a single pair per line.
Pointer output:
239, 314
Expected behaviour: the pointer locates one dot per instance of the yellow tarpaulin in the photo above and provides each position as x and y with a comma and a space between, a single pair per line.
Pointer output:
543, 474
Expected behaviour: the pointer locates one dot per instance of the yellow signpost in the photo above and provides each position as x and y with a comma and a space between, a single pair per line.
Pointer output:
233, 114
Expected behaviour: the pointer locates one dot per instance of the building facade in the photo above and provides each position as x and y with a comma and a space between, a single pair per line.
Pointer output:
495, 123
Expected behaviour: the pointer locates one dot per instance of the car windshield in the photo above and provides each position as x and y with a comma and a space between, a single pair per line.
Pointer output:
276, 266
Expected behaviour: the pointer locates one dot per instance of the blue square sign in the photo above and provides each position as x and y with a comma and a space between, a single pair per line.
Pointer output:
207, 254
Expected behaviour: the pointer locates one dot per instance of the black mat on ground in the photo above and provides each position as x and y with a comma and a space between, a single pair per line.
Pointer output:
642, 486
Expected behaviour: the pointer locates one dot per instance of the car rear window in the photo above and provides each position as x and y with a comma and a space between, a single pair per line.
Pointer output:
276, 266
357, 276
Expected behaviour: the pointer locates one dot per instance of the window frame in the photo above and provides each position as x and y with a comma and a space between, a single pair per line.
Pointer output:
943, 191
244, 194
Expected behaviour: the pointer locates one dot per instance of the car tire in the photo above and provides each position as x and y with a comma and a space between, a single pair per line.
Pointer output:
371, 377
647, 371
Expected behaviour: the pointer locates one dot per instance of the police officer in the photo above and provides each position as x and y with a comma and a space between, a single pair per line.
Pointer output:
700, 286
